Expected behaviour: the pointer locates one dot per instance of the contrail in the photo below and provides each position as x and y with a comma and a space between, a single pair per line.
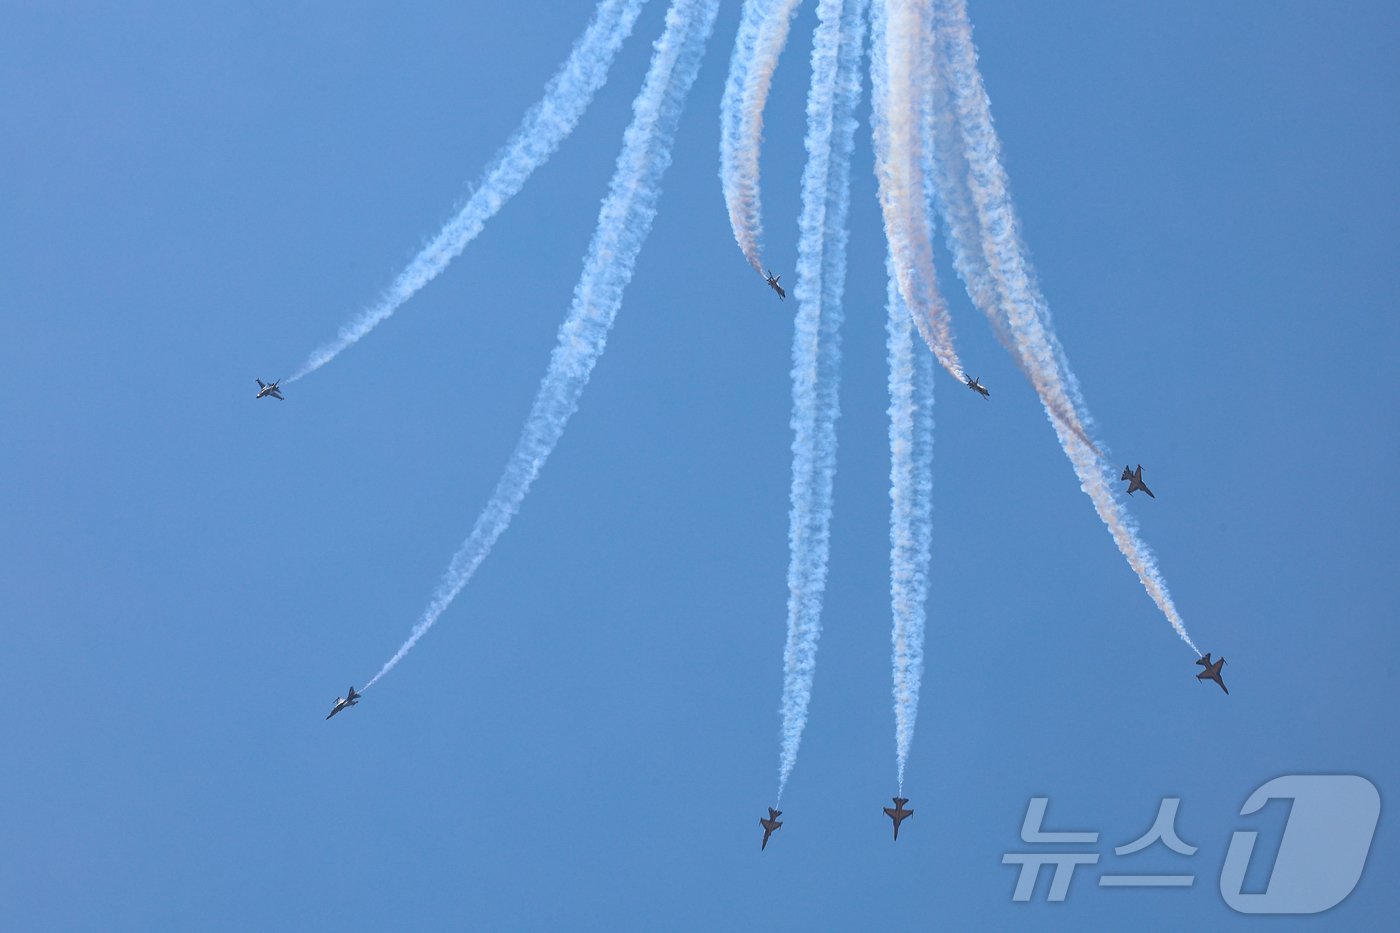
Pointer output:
816, 348
623, 224
911, 514
1021, 308
547, 124
763, 31
895, 69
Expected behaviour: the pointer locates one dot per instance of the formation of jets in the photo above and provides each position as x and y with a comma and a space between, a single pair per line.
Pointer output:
773, 284
1135, 480
345, 702
1212, 671
899, 813
265, 390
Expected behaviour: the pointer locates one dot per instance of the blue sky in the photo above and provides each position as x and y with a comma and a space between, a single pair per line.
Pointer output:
197, 195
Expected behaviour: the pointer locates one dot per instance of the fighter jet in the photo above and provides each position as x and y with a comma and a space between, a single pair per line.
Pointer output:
769, 825
1135, 480
1212, 671
976, 386
346, 701
898, 813
264, 389
773, 284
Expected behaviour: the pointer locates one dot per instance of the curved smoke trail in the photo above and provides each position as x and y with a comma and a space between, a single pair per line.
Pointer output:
547, 124
763, 31
946, 172
1021, 308
895, 69
623, 224
816, 348
911, 514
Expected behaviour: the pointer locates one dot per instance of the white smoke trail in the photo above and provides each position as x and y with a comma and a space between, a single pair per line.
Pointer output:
763, 31
895, 69
1021, 309
623, 224
946, 171
816, 348
547, 124
911, 514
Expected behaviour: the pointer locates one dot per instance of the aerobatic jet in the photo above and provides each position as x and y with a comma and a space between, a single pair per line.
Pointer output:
976, 386
898, 813
773, 283
1212, 671
344, 702
1135, 480
265, 390
769, 825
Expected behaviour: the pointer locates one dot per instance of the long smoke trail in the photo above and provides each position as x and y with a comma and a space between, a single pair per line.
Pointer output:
895, 69
945, 171
547, 124
623, 224
816, 348
1021, 308
911, 514
763, 31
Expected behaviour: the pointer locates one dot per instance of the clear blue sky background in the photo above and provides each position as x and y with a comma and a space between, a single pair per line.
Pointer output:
192, 195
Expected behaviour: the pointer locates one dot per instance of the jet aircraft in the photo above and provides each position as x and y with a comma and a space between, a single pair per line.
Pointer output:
976, 386
898, 813
346, 701
769, 825
773, 284
1212, 671
1135, 480
264, 389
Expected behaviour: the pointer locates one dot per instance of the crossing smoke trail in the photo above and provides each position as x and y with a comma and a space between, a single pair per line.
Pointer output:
547, 124
945, 172
816, 348
623, 224
911, 514
1021, 309
763, 31
895, 68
